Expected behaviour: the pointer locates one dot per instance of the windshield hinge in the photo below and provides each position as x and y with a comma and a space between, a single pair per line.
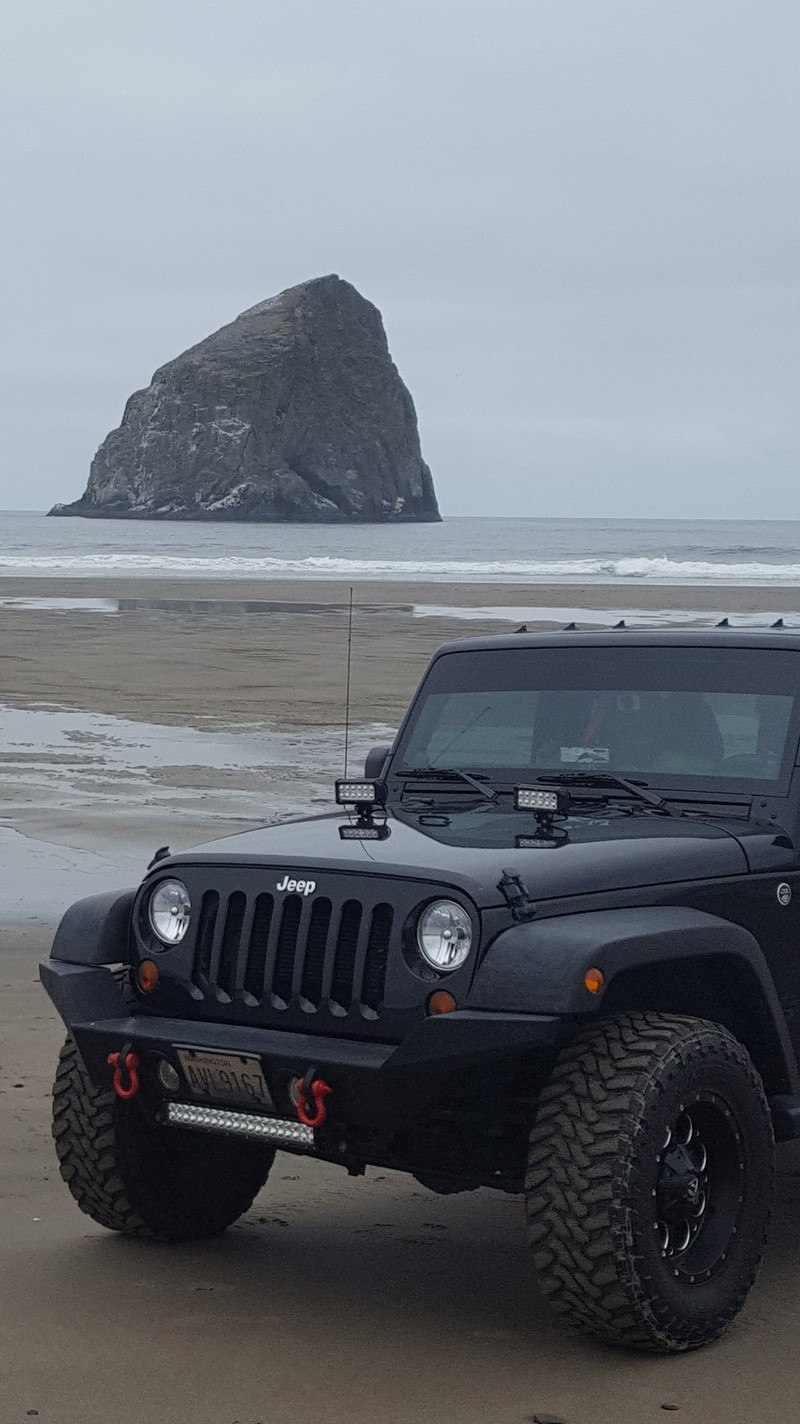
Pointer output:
515, 893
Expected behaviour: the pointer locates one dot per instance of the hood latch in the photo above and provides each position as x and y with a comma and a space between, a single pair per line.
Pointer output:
515, 893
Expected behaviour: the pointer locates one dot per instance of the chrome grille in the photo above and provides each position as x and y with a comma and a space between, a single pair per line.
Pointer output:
290, 949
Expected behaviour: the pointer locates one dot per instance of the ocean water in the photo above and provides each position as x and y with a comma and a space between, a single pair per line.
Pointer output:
469, 550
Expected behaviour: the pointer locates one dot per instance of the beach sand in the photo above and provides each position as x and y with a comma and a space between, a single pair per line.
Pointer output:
285, 668
348, 1301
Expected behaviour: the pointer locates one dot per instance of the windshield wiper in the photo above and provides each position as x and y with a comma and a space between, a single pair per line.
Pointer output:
602, 779
449, 773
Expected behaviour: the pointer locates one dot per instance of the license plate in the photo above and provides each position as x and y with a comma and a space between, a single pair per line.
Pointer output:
225, 1077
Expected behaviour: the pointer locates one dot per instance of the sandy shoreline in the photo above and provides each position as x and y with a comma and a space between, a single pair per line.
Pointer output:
283, 668
735, 597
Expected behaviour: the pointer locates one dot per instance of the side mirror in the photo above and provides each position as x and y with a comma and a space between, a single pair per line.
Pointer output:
375, 762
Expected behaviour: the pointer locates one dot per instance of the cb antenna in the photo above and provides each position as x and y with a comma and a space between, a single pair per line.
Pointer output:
347, 685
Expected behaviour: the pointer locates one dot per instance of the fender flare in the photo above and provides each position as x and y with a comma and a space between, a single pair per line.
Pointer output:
539, 967
96, 930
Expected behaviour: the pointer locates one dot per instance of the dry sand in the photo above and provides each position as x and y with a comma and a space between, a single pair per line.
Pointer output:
373, 1301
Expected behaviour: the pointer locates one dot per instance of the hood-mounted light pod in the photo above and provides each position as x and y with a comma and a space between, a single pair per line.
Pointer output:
552, 838
365, 797
546, 805
365, 831
541, 800
351, 791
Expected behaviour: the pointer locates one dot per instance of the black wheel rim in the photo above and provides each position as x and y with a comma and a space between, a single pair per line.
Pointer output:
699, 1189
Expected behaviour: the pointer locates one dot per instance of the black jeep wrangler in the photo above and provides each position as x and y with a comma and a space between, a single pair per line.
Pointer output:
550, 943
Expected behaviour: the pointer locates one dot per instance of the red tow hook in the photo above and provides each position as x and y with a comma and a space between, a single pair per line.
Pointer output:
125, 1062
320, 1090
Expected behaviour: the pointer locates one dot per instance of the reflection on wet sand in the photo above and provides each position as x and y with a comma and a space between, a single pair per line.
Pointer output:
87, 797
545, 615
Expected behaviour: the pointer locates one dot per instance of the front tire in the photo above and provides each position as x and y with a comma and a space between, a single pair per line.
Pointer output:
134, 1176
650, 1180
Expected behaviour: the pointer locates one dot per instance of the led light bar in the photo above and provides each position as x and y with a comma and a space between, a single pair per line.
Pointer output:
539, 842
357, 793
240, 1124
366, 832
533, 798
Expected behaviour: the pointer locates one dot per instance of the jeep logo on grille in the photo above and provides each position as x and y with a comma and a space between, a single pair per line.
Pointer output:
299, 887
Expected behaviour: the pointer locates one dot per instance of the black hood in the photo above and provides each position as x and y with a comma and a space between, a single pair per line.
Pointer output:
472, 848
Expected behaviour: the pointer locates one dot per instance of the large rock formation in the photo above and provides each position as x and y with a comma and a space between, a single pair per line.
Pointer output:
294, 411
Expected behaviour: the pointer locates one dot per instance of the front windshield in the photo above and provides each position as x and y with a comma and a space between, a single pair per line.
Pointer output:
667, 715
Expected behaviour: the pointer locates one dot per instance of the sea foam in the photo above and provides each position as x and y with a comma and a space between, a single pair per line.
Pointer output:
659, 570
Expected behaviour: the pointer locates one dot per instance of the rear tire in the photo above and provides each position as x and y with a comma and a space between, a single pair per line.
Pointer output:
137, 1177
650, 1180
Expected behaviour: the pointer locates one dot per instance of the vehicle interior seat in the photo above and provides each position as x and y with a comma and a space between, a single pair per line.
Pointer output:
561, 720
687, 735
631, 731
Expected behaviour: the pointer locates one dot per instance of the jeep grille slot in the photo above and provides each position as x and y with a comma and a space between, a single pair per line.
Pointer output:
319, 954
314, 962
205, 939
377, 956
342, 986
287, 948
231, 944
257, 949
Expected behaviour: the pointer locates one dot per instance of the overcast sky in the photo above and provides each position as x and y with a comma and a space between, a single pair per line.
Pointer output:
580, 219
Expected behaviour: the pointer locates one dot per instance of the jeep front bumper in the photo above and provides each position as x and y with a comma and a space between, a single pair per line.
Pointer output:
374, 1084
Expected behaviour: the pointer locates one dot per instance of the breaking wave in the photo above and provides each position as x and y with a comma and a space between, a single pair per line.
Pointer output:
601, 570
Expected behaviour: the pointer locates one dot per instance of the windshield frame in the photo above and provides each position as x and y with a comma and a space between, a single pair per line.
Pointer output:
670, 784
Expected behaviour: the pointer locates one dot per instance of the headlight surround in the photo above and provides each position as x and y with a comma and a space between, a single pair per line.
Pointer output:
444, 935
169, 910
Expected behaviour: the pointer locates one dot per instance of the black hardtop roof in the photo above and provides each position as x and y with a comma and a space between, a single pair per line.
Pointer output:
767, 638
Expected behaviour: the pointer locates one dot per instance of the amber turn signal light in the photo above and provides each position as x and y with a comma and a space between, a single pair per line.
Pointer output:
595, 981
147, 976
441, 1003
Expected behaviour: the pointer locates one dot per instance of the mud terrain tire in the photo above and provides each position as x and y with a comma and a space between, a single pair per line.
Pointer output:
649, 1181
136, 1177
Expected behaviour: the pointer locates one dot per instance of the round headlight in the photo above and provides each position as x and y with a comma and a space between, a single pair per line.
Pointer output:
169, 909
444, 935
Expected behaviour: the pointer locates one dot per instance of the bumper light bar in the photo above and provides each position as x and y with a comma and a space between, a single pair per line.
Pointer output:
240, 1124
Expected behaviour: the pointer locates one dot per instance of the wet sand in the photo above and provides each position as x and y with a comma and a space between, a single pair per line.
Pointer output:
160, 663
337, 1300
